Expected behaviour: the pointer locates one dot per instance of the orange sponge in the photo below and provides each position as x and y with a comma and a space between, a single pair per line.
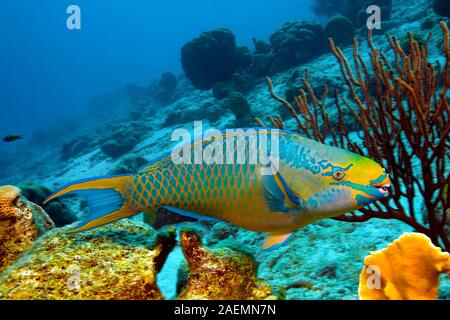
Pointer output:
8, 195
407, 269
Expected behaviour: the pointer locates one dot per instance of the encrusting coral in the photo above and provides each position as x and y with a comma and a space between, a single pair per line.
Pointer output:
219, 274
21, 222
402, 111
408, 269
117, 261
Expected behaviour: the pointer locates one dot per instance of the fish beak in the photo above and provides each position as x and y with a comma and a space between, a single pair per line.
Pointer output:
384, 185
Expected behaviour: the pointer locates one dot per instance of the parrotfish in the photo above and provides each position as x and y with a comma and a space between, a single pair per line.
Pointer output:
309, 181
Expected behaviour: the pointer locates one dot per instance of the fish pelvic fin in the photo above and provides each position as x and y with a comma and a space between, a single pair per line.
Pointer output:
274, 241
105, 197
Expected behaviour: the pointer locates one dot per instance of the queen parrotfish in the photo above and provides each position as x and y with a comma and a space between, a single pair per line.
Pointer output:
310, 181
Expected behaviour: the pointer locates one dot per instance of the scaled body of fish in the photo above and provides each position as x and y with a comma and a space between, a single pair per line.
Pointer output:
311, 181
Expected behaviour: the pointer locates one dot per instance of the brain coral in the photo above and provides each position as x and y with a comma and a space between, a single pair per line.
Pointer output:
409, 269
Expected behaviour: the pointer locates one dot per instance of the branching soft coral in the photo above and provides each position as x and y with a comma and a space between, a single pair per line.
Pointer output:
402, 111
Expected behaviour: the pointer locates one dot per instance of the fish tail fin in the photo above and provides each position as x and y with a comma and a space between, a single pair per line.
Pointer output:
105, 197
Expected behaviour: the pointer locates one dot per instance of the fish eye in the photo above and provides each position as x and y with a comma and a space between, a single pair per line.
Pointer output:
338, 175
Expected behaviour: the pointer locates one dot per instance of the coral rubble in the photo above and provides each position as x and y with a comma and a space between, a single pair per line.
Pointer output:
220, 273
408, 269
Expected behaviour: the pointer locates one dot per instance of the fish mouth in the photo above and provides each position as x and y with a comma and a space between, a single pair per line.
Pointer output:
383, 186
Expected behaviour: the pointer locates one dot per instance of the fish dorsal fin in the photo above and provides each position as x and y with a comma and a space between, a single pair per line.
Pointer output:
158, 164
279, 197
275, 240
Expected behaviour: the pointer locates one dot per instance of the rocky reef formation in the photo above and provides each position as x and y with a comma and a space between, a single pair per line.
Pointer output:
123, 138
355, 10
441, 7
294, 43
76, 147
341, 30
220, 273
167, 85
21, 222
57, 210
129, 164
240, 107
214, 50
117, 261
407, 269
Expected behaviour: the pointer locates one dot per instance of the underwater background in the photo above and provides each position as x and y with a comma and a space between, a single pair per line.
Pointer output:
104, 100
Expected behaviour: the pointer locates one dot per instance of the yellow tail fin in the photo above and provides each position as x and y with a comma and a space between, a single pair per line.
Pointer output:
105, 197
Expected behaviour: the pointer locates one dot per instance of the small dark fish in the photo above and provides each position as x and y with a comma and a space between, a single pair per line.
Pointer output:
12, 138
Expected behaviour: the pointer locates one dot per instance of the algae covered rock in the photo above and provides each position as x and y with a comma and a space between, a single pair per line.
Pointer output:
21, 222
221, 273
116, 261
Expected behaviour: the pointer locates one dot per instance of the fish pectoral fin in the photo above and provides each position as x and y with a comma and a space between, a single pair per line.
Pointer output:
275, 240
279, 197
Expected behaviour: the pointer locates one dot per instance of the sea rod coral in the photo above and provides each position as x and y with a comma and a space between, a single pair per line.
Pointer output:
402, 111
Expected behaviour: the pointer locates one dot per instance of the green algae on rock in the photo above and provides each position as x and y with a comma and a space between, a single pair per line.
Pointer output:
220, 273
117, 261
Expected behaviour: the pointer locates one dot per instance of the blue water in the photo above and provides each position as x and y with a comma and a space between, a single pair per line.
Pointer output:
49, 74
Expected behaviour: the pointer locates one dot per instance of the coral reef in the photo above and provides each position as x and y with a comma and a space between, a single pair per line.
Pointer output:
117, 261
129, 164
123, 139
294, 43
243, 82
220, 273
260, 65
57, 210
407, 269
441, 8
75, 147
341, 29
214, 50
403, 114
355, 10
222, 89
167, 86
21, 222
239, 106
